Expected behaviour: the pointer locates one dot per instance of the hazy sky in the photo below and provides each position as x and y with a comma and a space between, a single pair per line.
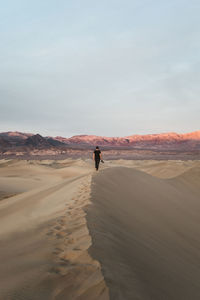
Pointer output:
109, 67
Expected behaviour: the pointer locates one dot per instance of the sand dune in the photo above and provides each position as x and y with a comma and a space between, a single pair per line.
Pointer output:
143, 240
190, 179
146, 233
43, 232
161, 169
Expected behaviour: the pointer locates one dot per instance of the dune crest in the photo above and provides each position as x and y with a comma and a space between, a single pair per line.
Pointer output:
43, 232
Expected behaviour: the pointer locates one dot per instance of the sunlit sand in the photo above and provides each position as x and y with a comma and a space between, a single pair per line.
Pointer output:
129, 231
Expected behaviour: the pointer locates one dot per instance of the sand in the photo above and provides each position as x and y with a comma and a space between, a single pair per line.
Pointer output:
43, 232
146, 233
130, 231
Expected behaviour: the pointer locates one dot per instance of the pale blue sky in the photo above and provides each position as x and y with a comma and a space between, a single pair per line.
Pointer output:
112, 68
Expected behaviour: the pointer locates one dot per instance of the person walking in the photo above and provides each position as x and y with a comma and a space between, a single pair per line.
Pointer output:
97, 157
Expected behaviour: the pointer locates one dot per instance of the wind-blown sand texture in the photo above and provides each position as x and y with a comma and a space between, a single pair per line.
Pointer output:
143, 240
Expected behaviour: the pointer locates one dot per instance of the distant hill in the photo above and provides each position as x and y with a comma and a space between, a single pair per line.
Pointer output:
37, 141
4, 143
15, 136
149, 140
163, 141
54, 142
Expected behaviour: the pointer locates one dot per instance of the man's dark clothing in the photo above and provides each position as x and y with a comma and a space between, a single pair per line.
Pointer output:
97, 164
97, 153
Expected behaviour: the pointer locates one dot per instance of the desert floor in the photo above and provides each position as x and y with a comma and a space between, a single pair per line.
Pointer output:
129, 231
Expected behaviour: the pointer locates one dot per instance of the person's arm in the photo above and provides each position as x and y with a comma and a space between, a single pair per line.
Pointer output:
101, 156
93, 156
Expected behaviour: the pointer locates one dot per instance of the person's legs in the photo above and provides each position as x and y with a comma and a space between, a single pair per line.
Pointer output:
97, 164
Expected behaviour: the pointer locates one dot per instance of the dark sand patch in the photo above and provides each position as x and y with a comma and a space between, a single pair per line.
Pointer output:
5, 195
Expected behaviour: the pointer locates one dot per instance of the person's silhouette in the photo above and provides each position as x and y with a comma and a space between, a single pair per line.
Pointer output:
97, 157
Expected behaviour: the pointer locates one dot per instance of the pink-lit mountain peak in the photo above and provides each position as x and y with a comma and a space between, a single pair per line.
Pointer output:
153, 139
168, 135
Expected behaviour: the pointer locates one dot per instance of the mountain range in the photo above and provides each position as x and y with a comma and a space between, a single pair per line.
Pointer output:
13, 142
192, 138
29, 139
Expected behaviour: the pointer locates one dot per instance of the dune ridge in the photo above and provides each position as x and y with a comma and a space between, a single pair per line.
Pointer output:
43, 232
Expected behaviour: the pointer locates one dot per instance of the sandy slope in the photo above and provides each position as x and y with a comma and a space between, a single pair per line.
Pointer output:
143, 220
161, 169
146, 233
43, 232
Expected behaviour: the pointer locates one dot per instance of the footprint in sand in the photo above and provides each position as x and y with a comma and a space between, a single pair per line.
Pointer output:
64, 262
56, 252
62, 221
59, 249
70, 241
58, 227
69, 213
61, 235
51, 232
59, 270
77, 249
